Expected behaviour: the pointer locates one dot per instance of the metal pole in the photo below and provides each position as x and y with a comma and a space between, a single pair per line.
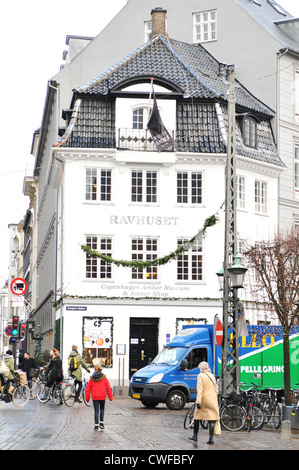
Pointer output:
230, 360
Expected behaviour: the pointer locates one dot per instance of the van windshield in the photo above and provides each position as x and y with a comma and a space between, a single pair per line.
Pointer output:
169, 356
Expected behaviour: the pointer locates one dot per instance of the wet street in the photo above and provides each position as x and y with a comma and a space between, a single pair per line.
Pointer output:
129, 427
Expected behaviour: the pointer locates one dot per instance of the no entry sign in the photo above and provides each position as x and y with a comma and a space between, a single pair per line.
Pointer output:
218, 333
18, 286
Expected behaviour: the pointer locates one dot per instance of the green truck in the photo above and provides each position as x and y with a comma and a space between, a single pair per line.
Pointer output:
261, 357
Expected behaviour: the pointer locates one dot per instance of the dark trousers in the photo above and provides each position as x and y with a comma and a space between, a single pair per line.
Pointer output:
78, 387
99, 406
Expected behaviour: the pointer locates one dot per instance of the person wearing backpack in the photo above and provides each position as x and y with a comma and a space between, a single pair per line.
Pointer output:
9, 373
75, 364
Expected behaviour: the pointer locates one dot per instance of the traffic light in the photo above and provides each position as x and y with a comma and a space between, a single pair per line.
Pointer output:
15, 326
22, 331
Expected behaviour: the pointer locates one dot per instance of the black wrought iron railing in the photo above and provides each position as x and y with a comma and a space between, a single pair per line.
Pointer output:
138, 139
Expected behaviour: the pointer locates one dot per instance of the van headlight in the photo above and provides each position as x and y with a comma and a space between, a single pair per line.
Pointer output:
156, 378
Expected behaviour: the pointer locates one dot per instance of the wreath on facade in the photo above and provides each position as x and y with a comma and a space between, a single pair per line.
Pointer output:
209, 222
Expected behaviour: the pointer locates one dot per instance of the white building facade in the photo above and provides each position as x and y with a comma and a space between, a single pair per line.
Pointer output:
130, 203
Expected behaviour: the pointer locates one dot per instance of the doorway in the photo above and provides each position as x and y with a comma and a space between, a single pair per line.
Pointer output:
143, 342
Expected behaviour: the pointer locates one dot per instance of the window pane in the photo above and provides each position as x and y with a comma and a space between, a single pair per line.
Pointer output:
105, 185
91, 184
136, 195
297, 168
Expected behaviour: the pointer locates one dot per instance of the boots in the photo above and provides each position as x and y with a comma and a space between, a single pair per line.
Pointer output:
195, 431
211, 432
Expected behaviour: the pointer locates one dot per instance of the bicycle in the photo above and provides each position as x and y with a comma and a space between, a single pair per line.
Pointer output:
36, 377
254, 412
18, 394
271, 408
69, 393
54, 392
231, 414
189, 419
295, 401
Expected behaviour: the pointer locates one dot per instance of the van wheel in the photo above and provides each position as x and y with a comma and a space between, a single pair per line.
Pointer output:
176, 400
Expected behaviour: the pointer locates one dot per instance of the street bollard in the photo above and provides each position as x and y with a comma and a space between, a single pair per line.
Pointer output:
285, 430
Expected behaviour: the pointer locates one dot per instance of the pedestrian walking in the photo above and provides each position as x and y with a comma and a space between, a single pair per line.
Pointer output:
27, 364
75, 364
206, 401
98, 387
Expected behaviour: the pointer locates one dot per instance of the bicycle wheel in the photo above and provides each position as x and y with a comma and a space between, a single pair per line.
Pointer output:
276, 416
257, 417
68, 395
232, 417
20, 395
204, 424
2, 399
189, 418
57, 394
43, 393
32, 385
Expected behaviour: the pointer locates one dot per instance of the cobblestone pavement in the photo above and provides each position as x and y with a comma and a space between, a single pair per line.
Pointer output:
129, 426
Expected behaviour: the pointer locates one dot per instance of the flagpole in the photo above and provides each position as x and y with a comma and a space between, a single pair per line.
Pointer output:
149, 107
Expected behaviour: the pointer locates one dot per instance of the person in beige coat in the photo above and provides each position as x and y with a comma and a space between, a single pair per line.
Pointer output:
206, 401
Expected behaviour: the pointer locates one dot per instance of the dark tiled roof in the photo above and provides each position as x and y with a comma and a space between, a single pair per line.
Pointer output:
193, 71
189, 67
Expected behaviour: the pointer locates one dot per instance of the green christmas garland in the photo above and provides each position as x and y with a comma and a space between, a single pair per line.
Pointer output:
209, 222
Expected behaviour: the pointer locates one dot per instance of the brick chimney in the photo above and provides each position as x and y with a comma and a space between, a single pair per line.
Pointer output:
158, 22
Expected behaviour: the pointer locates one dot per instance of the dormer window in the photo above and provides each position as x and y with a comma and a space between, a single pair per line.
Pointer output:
250, 132
248, 125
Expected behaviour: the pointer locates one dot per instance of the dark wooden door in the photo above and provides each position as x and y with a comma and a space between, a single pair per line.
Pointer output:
143, 342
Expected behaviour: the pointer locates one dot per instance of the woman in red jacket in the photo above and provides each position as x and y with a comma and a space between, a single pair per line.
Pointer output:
98, 387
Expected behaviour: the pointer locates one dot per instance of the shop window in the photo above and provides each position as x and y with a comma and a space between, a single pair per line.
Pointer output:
97, 340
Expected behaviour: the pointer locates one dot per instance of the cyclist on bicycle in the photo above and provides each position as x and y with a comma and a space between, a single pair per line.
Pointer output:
54, 369
75, 370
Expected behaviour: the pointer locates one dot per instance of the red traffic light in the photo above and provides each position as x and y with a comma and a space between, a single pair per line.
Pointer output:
22, 330
15, 325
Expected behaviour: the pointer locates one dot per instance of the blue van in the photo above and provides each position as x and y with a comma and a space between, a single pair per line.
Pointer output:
171, 377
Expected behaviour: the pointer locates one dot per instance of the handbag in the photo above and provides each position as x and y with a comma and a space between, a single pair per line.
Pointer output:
217, 428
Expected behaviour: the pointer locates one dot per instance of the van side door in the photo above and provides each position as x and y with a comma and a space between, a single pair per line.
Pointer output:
189, 376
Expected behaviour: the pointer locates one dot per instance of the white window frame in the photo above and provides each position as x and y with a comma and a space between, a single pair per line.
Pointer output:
250, 132
97, 268
296, 167
241, 192
145, 193
148, 27
190, 263
97, 189
296, 96
144, 249
205, 26
261, 196
186, 195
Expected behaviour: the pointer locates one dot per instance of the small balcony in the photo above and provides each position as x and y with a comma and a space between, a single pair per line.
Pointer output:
138, 139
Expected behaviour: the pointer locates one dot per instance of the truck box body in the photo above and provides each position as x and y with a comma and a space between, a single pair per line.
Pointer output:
171, 377
261, 357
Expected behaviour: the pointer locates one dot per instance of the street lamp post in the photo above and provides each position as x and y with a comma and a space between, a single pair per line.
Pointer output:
230, 351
